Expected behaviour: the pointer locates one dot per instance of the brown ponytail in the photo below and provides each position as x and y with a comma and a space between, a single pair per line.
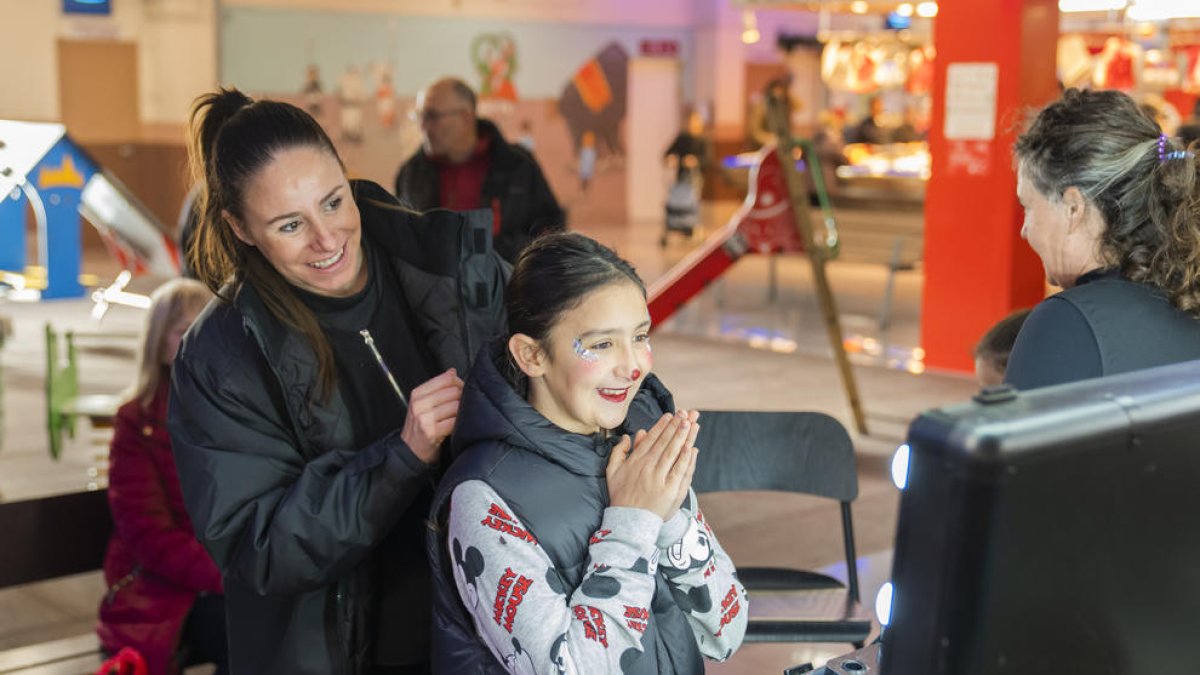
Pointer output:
232, 138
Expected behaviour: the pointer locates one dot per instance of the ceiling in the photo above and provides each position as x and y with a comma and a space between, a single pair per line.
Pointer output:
837, 6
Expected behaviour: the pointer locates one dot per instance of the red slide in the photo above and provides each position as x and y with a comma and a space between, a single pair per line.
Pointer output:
765, 223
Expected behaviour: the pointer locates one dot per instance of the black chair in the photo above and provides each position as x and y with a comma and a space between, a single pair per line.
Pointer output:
800, 452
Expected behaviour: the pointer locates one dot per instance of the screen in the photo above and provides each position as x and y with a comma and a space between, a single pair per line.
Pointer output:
1052, 531
87, 6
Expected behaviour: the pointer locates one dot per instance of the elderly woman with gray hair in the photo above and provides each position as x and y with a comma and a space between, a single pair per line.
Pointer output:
1112, 207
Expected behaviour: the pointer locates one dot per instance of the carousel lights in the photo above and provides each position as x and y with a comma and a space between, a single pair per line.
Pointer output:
859, 7
905, 9
1090, 5
750, 34
927, 10
1162, 10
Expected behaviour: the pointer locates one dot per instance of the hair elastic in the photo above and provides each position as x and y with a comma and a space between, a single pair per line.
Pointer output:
1164, 155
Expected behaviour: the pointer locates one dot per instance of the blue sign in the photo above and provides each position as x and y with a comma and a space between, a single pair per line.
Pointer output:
897, 21
87, 7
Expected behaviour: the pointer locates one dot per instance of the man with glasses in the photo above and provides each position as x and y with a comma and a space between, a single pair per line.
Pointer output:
464, 163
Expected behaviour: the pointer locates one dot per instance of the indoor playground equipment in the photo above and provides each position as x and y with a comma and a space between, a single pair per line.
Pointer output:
774, 218
43, 170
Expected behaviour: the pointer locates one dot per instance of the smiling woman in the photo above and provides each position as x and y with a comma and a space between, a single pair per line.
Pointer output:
300, 217
1111, 205
606, 561
310, 401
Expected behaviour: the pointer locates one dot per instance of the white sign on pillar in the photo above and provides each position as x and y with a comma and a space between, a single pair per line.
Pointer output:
971, 101
970, 125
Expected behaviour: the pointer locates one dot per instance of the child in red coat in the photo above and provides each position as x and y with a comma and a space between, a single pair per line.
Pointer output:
164, 594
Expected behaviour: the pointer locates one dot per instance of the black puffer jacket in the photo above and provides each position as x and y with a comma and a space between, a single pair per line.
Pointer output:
527, 205
554, 481
289, 511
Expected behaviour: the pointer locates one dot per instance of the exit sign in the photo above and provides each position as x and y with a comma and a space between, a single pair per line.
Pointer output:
659, 48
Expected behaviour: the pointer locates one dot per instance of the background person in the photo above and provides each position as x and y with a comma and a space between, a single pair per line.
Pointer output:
464, 163
772, 111
574, 542
872, 128
1111, 208
164, 591
994, 348
306, 467
689, 150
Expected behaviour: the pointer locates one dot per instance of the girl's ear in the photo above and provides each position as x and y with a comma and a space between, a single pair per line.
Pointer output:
527, 354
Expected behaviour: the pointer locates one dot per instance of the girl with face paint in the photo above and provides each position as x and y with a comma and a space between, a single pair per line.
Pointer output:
571, 491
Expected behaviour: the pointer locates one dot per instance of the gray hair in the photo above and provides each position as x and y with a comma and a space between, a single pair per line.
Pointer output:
1103, 144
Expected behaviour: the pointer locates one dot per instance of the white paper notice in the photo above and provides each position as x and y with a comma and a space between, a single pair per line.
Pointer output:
971, 101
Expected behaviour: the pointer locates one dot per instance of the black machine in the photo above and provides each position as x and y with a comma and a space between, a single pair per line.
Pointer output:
1052, 531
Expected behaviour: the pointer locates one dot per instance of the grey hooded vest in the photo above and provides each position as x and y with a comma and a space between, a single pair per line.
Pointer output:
502, 440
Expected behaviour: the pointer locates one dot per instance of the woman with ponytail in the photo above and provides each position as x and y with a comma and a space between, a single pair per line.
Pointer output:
311, 399
1112, 207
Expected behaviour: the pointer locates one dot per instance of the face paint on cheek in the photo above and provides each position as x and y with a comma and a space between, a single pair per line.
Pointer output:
584, 353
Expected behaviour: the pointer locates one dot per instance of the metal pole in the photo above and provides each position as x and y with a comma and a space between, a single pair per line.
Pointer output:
798, 192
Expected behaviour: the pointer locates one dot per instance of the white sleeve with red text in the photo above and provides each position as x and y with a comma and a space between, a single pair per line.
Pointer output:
705, 581
521, 607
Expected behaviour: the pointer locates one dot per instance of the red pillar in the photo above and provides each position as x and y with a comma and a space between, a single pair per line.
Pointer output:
977, 267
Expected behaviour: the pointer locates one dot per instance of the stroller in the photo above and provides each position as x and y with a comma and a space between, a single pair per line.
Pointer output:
682, 209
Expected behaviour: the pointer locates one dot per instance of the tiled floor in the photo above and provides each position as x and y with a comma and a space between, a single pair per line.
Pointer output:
702, 354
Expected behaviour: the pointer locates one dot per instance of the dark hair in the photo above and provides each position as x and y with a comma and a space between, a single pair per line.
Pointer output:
232, 138
1101, 143
996, 345
553, 275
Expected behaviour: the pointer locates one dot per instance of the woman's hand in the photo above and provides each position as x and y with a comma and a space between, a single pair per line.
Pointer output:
432, 411
656, 474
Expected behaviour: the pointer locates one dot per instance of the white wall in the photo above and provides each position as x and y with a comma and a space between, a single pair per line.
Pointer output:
178, 47
28, 63
651, 122
176, 53
620, 12
719, 70
267, 50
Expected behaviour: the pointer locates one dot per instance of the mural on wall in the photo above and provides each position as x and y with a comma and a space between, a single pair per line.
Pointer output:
594, 100
312, 90
559, 90
385, 96
495, 58
352, 97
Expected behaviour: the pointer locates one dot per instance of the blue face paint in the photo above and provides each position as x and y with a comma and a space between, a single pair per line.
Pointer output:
585, 353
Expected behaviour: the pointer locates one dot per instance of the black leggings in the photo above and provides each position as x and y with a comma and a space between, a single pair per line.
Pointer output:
203, 639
